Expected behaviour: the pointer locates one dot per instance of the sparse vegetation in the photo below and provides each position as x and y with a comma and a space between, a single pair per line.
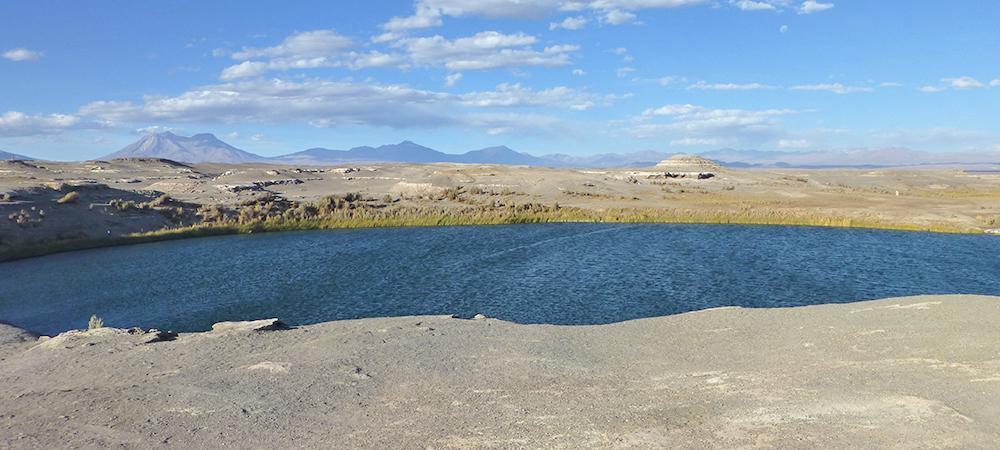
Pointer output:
70, 197
95, 322
24, 219
161, 201
6, 197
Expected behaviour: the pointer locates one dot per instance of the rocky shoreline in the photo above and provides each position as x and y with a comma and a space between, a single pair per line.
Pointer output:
916, 371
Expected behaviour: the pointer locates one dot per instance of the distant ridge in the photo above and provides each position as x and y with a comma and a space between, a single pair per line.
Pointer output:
7, 156
200, 148
410, 152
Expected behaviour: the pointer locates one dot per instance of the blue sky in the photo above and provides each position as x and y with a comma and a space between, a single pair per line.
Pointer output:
82, 79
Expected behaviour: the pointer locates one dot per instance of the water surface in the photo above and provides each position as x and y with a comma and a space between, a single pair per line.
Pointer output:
556, 273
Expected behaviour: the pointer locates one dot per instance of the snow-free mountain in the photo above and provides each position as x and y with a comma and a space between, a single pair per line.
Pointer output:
199, 148
208, 148
6, 156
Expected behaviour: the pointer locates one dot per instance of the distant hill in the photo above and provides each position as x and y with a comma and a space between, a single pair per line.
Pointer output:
635, 159
199, 148
881, 157
501, 155
5, 156
409, 152
208, 148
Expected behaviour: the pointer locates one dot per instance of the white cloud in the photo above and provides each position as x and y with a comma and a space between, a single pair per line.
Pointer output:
701, 85
618, 17
450, 80
323, 103
307, 44
570, 23
931, 89
15, 123
579, 72
813, 6
964, 82
424, 17
324, 48
836, 88
793, 143
22, 54
153, 129
783, 29
515, 95
890, 84
375, 58
245, 69
484, 50
620, 51
306, 50
430, 13
667, 80
696, 142
750, 5
623, 72
995, 83
694, 125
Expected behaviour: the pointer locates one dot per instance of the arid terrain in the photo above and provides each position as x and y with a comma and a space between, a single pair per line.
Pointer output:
918, 372
120, 197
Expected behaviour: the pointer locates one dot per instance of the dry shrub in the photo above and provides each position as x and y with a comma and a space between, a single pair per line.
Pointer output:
95, 322
70, 197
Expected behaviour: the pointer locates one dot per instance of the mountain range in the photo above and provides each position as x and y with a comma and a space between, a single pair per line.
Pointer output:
5, 156
206, 147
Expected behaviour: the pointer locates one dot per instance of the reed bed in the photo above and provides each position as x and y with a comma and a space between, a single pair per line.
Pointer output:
351, 211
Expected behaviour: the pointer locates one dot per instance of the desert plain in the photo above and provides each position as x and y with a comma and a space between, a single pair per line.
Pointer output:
53, 206
918, 372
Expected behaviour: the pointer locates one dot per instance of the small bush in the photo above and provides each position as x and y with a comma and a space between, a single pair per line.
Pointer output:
161, 200
70, 197
95, 322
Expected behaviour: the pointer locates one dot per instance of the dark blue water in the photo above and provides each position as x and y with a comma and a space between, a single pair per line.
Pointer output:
560, 273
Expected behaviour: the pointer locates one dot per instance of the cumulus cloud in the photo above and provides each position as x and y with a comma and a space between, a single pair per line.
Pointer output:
964, 82
307, 44
484, 50
836, 88
570, 23
813, 6
623, 72
701, 85
618, 17
244, 69
324, 103
308, 50
793, 143
22, 54
429, 13
516, 95
750, 5
931, 89
690, 124
15, 123
452, 79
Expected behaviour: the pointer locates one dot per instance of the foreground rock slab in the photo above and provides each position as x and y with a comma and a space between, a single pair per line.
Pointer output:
908, 372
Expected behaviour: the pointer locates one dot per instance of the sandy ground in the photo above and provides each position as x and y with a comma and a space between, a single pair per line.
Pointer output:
918, 372
968, 200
